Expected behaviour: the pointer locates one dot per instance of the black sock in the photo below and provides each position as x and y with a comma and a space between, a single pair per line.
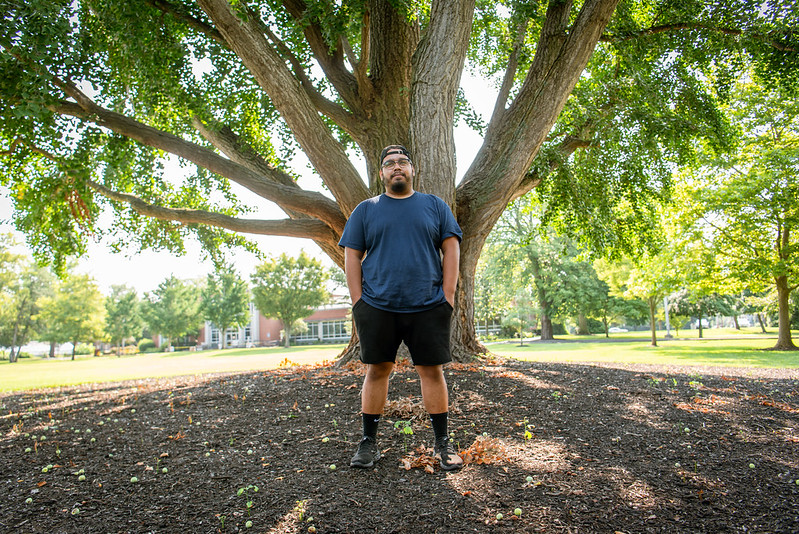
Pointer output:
439, 421
370, 422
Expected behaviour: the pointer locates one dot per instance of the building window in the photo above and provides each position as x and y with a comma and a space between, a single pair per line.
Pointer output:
311, 335
334, 330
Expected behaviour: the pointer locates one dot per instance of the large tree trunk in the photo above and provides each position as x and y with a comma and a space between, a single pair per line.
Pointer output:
784, 340
547, 333
582, 325
761, 323
652, 307
700, 323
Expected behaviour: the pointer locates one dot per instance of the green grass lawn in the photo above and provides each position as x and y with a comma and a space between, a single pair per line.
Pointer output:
727, 348
32, 373
736, 349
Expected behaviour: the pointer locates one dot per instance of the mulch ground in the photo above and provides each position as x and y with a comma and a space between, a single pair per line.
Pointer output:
573, 448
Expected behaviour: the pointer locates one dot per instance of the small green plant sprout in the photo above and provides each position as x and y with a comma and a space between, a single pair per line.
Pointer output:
245, 492
528, 434
134, 480
75, 511
29, 500
517, 512
248, 524
300, 509
332, 467
499, 516
405, 428
557, 396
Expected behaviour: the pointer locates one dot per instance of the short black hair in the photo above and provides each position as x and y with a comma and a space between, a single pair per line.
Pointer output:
394, 149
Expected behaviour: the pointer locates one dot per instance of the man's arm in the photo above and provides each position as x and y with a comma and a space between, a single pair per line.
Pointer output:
352, 270
451, 249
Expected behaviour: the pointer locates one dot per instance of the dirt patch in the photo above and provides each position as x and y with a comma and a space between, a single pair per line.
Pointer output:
575, 448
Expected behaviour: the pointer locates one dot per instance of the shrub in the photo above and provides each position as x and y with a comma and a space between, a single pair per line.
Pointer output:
146, 345
84, 348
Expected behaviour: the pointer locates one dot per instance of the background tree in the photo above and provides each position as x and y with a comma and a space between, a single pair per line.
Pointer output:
745, 204
522, 253
522, 318
700, 305
94, 94
123, 316
173, 309
619, 304
22, 285
289, 289
226, 301
75, 313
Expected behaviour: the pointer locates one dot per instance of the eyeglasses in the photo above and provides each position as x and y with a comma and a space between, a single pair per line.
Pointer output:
389, 164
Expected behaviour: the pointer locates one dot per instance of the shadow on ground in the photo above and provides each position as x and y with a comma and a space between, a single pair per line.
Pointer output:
575, 448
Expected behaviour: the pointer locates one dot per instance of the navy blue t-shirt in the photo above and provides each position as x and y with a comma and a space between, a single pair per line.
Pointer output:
402, 240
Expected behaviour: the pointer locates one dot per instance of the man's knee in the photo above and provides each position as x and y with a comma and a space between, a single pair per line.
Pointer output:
430, 372
379, 371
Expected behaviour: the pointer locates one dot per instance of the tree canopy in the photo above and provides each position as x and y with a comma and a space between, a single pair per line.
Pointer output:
94, 95
289, 289
744, 205
123, 315
74, 313
226, 301
173, 309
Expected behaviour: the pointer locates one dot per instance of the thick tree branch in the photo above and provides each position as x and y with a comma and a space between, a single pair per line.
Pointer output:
232, 146
330, 109
534, 177
331, 61
511, 144
325, 153
438, 64
304, 228
667, 28
227, 142
510, 72
196, 24
312, 203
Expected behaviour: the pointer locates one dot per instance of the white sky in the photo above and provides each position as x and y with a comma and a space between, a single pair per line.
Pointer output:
145, 270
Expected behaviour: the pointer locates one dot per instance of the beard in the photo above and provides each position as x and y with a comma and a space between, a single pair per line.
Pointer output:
399, 187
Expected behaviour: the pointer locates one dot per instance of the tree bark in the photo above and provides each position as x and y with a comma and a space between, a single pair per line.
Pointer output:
582, 325
762, 324
784, 339
652, 308
700, 323
547, 332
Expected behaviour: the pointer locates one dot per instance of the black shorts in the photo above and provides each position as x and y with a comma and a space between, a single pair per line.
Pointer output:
426, 334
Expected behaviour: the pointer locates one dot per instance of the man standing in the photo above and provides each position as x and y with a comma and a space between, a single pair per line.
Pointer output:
401, 255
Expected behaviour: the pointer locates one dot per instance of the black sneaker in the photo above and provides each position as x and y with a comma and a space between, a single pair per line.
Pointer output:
446, 455
367, 453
